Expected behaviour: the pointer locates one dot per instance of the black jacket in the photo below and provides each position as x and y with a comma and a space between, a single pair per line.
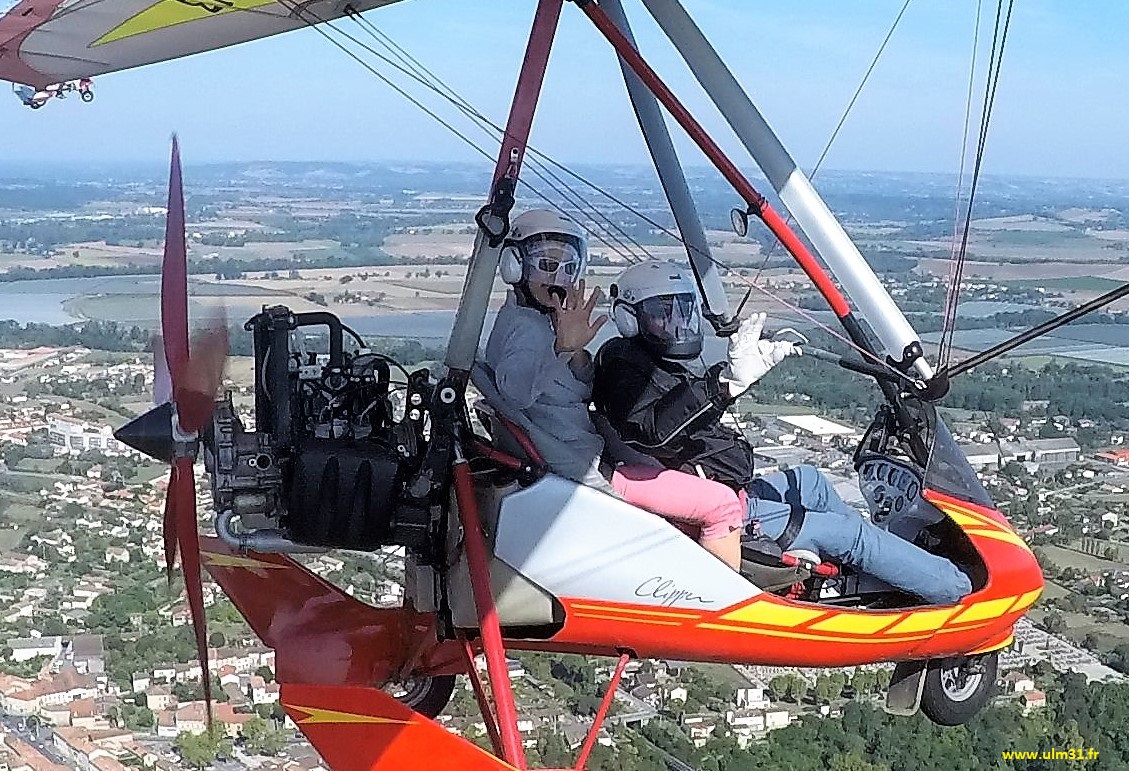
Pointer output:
666, 411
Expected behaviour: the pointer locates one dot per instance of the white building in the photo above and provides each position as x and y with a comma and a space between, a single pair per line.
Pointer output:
74, 437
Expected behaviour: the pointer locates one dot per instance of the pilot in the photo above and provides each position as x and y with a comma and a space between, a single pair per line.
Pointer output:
537, 355
645, 389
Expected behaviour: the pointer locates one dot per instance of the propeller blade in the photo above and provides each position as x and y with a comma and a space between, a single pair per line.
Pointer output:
174, 277
162, 380
169, 524
196, 394
188, 538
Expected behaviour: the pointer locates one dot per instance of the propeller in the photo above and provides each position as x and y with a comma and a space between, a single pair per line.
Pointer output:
186, 381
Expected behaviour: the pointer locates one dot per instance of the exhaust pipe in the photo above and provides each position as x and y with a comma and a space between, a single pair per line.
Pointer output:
268, 540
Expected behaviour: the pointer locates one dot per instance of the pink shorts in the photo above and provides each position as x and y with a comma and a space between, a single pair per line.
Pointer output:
683, 498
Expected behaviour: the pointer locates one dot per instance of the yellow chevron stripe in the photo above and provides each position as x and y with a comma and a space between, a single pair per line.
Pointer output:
1000, 535
1025, 601
812, 637
856, 623
981, 518
319, 716
985, 610
773, 614
994, 647
923, 621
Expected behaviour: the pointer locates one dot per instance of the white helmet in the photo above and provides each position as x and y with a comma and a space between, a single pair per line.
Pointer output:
658, 301
545, 248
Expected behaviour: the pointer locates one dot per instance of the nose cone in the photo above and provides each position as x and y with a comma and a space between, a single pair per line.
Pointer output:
150, 433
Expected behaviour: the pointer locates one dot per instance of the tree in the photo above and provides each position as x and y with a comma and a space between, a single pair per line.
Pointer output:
262, 738
200, 750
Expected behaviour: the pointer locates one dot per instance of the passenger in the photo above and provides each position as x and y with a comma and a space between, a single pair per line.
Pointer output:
643, 387
536, 352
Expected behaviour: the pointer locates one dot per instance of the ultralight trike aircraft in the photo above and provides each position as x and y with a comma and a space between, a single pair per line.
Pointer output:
502, 554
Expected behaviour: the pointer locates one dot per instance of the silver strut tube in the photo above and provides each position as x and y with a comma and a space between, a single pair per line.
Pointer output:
267, 540
673, 180
816, 221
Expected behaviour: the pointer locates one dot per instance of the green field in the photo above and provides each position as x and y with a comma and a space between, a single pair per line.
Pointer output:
1068, 558
38, 466
1070, 283
10, 539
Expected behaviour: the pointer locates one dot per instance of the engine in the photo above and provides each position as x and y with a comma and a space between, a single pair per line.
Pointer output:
335, 446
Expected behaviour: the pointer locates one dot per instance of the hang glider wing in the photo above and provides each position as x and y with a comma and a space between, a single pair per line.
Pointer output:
52, 41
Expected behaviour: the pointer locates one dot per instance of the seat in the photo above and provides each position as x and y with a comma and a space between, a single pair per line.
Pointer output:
774, 569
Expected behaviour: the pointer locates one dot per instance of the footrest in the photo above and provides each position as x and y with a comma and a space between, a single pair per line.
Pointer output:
904, 695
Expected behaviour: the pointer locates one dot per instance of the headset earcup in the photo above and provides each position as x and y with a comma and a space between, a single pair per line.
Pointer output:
509, 265
625, 320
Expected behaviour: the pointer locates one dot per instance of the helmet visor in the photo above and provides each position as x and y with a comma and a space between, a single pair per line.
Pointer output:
671, 319
555, 259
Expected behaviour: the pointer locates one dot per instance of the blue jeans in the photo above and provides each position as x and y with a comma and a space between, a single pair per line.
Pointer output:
833, 529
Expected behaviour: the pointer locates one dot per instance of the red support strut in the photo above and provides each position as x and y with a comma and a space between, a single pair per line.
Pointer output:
755, 201
601, 713
478, 562
481, 697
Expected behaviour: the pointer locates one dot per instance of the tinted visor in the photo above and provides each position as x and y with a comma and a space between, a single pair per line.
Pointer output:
671, 319
555, 259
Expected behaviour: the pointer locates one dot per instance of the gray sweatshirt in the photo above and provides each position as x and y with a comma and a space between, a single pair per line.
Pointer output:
553, 400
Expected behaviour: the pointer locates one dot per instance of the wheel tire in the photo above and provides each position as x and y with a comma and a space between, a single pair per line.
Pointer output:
35, 105
952, 696
87, 96
426, 695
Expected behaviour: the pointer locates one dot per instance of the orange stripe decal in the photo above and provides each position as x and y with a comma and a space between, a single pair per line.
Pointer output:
627, 619
814, 637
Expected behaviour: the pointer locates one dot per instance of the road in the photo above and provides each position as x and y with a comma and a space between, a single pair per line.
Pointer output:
40, 739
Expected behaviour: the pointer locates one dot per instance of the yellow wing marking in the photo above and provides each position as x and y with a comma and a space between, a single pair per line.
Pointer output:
168, 13
773, 614
232, 561
319, 716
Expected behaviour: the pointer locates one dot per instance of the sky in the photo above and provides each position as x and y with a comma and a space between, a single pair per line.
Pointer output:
1060, 111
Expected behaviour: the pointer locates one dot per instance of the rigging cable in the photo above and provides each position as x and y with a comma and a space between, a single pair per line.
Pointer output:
963, 156
995, 61
722, 266
842, 121
317, 24
413, 68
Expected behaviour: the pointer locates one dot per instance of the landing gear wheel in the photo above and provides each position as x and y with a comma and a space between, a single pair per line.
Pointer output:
86, 96
959, 687
35, 105
426, 695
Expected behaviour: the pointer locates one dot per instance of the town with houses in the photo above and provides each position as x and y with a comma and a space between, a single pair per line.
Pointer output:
82, 591
98, 665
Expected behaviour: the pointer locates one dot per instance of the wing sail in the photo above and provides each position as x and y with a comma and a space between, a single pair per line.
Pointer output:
52, 41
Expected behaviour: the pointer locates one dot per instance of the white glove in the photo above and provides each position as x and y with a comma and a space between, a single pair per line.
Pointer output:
750, 357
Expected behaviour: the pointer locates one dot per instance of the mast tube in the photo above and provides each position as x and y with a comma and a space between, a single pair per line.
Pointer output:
754, 200
816, 221
673, 179
483, 264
